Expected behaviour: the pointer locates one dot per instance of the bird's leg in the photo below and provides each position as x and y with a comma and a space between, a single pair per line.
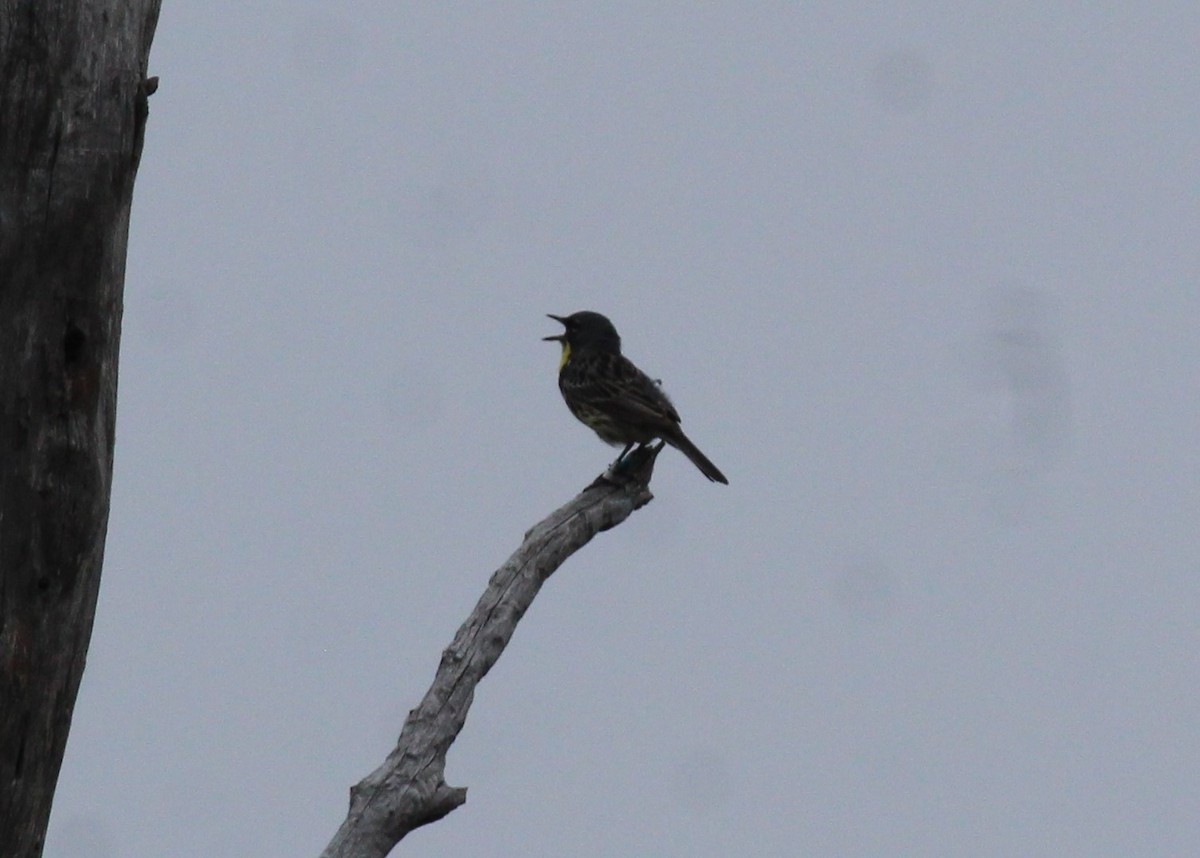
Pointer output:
636, 463
620, 463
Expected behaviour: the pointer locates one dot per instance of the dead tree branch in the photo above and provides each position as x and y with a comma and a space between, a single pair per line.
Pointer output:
409, 789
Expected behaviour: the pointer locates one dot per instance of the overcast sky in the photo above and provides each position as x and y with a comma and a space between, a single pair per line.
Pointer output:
922, 280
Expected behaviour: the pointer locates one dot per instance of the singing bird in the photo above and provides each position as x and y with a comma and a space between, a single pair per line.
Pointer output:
614, 398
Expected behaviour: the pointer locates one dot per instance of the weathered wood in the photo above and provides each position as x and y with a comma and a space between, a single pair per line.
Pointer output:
409, 789
73, 107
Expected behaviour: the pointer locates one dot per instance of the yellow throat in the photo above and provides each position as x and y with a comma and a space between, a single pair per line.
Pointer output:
566, 355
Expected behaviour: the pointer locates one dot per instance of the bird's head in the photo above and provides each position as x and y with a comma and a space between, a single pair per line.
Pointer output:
585, 331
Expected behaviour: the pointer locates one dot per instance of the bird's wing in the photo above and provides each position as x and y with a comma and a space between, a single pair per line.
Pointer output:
619, 388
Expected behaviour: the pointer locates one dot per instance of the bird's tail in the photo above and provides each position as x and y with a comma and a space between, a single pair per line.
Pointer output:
681, 443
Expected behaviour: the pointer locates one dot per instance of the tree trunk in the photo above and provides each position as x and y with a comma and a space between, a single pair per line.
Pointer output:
73, 93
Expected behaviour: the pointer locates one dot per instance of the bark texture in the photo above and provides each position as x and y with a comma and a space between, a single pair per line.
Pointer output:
73, 105
409, 789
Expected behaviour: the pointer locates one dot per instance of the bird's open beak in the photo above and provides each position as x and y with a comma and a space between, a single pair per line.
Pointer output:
560, 337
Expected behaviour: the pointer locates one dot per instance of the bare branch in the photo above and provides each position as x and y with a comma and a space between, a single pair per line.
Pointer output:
409, 789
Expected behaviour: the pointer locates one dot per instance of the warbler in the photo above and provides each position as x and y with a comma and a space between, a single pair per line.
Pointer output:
614, 398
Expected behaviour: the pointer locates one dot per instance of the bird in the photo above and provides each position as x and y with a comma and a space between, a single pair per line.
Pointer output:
612, 397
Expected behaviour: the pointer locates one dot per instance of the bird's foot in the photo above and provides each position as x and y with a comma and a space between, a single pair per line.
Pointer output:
633, 465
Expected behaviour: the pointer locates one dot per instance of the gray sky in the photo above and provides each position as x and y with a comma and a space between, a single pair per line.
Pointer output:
921, 278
